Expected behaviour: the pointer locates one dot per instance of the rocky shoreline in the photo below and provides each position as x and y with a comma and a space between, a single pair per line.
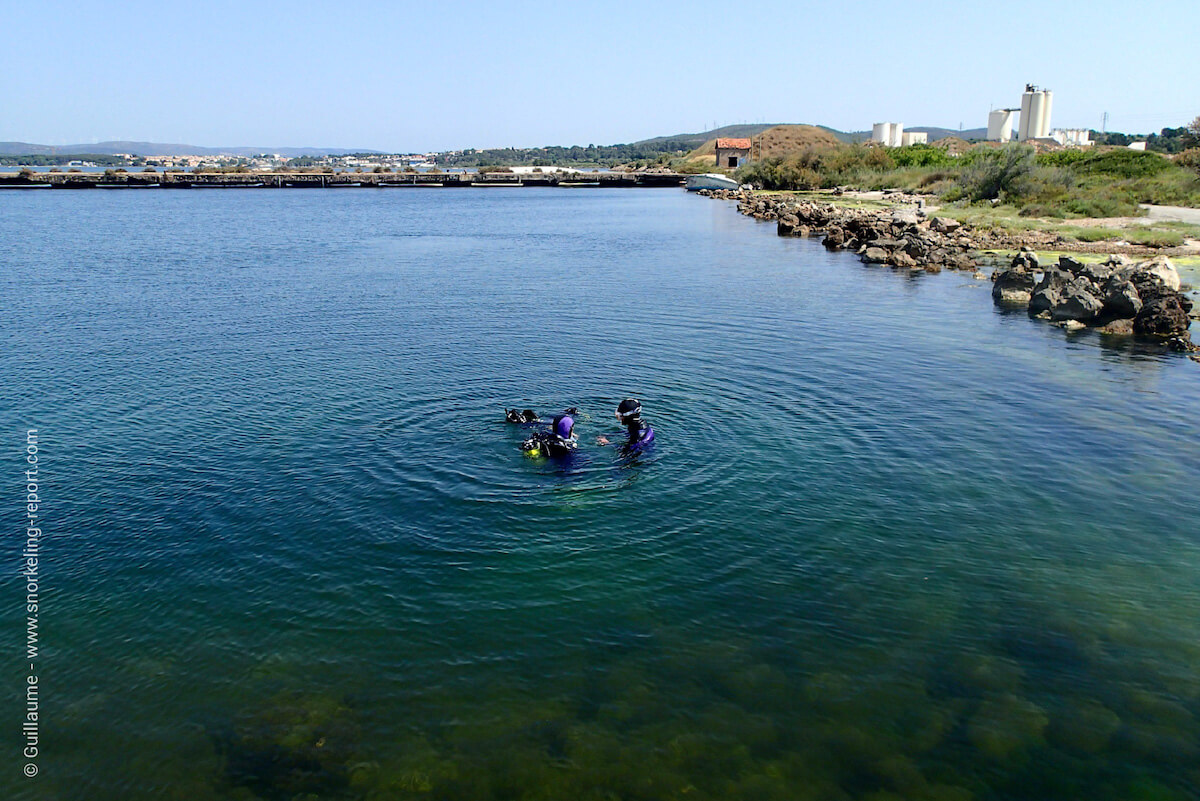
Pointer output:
1117, 297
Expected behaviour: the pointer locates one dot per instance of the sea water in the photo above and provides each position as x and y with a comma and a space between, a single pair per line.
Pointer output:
890, 541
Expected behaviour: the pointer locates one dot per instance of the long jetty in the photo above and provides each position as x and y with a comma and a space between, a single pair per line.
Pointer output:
304, 180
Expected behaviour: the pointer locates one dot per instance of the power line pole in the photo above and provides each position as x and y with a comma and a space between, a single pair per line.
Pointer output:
1104, 123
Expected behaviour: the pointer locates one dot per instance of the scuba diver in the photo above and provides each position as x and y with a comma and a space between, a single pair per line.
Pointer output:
558, 441
639, 432
524, 416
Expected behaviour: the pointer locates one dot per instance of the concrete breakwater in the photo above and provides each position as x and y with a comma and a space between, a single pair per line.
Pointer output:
281, 180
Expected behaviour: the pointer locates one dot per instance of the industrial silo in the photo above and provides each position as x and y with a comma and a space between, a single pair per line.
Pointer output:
1035, 113
879, 132
1026, 113
1043, 116
1000, 125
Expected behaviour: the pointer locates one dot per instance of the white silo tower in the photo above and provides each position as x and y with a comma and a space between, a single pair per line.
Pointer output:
1000, 125
1043, 117
1026, 113
896, 137
879, 132
1035, 113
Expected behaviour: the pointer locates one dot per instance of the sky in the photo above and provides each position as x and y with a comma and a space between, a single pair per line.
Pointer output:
416, 77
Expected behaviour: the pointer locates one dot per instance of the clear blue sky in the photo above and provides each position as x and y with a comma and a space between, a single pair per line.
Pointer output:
401, 76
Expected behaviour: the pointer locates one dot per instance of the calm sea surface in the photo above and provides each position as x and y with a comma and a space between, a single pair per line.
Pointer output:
890, 543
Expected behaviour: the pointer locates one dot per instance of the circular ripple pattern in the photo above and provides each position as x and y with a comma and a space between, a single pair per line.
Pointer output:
889, 542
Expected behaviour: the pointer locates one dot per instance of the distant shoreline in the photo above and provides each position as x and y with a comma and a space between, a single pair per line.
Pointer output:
277, 180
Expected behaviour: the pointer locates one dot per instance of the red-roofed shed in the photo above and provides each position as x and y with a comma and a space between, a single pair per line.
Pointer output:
732, 153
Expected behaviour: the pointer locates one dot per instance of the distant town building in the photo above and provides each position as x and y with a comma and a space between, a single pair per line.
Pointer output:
888, 134
914, 138
732, 153
1137, 145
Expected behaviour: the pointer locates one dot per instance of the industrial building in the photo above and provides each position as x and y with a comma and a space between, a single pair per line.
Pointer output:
1000, 124
1035, 113
888, 134
1072, 137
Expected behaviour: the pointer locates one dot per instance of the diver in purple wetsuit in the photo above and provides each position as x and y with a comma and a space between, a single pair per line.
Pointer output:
639, 432
558, 441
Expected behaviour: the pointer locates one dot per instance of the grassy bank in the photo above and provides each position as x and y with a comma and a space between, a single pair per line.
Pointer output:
1062, 185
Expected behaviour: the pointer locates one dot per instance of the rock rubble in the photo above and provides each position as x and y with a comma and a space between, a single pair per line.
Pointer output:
1116, 296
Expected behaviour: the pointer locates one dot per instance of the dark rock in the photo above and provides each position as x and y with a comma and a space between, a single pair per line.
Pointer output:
1079, 301
1098, 274
1182, 343
1070, 264
1012, 287
1025, 260
1121, 299
835, 239
1118, 328
1048, 292
1163, 314
944, 225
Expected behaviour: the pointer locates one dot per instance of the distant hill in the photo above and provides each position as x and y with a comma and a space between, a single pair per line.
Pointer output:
160, 149
778, 140
691, 141
783, 139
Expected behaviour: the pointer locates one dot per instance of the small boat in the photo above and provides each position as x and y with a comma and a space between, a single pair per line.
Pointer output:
710, 180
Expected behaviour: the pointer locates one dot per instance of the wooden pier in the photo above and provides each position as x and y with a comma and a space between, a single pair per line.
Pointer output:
306, 180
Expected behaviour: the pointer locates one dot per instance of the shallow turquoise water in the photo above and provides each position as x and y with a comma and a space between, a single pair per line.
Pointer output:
890, 542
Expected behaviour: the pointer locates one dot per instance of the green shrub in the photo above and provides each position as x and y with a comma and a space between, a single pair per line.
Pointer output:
1061, 158
1123, 163
1156, 239
921, 156
1189, 159
991, 173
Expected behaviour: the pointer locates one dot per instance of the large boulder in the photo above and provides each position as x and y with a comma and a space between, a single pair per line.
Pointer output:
1047, 295
875, 255
1121, 298
1163, 314
1098, 274
1078, 301
1070, 264
1161, 269
905, 217
1012, 287
1025, 260
944, 225
835, 239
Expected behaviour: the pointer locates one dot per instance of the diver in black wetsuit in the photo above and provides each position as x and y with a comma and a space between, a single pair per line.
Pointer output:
558, 441
638, 431
525, 416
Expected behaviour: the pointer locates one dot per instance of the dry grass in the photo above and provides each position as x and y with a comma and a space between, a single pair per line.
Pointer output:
781, 140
